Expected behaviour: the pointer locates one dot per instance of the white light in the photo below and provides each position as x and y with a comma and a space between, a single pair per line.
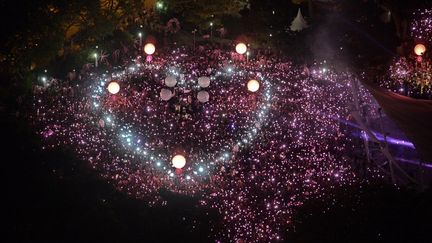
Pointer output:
149, 48
241, 48
178, 161
113, 87
253, 85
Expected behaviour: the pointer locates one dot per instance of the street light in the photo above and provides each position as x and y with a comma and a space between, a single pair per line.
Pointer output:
211, 29
96, 59
159, 5
194, 32
140, 37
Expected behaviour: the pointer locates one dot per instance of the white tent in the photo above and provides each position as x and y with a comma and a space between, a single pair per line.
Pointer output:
299, 23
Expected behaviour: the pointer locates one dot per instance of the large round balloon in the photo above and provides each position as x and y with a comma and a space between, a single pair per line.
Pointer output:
203, 96
241, 48
170, 81
165, 94
419, 49
101, 123
204, 82
178, 161
149, 49
253, 85
113, 87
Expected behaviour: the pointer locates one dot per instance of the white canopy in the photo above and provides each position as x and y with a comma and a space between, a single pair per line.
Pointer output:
299, 23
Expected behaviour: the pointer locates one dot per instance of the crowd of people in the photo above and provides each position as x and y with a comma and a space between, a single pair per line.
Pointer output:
409, 76
254, 156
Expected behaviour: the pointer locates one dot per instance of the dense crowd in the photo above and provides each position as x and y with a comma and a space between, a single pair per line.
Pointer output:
254, 156
409, 76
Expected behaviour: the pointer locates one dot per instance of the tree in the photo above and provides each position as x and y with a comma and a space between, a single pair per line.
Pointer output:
48, 30
201, 12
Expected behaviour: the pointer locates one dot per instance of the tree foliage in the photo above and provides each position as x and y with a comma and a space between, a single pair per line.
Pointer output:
201, 12
47, 30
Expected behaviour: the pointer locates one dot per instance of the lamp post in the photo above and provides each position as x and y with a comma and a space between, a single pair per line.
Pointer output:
96, 59
194, 32
247, 56
140, 39
211, 30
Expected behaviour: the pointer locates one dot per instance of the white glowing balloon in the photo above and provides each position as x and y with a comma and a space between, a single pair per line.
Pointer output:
101, 123
253, 85
113, 87
178, 161
203, 96
241, 48
149, 48
204, 82
170, 81
165, 94
419, 49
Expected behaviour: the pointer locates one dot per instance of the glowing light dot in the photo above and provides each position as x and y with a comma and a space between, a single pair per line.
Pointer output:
149, 48
241, 48
113, 87
178, 161
253, 85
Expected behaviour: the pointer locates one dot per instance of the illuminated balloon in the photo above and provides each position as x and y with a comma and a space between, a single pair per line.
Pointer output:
170, 81
203, 96
101, 123
204, 82
113, 87
149, 48
253, 85
165, 94
241, 48
178, 161
419, 49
